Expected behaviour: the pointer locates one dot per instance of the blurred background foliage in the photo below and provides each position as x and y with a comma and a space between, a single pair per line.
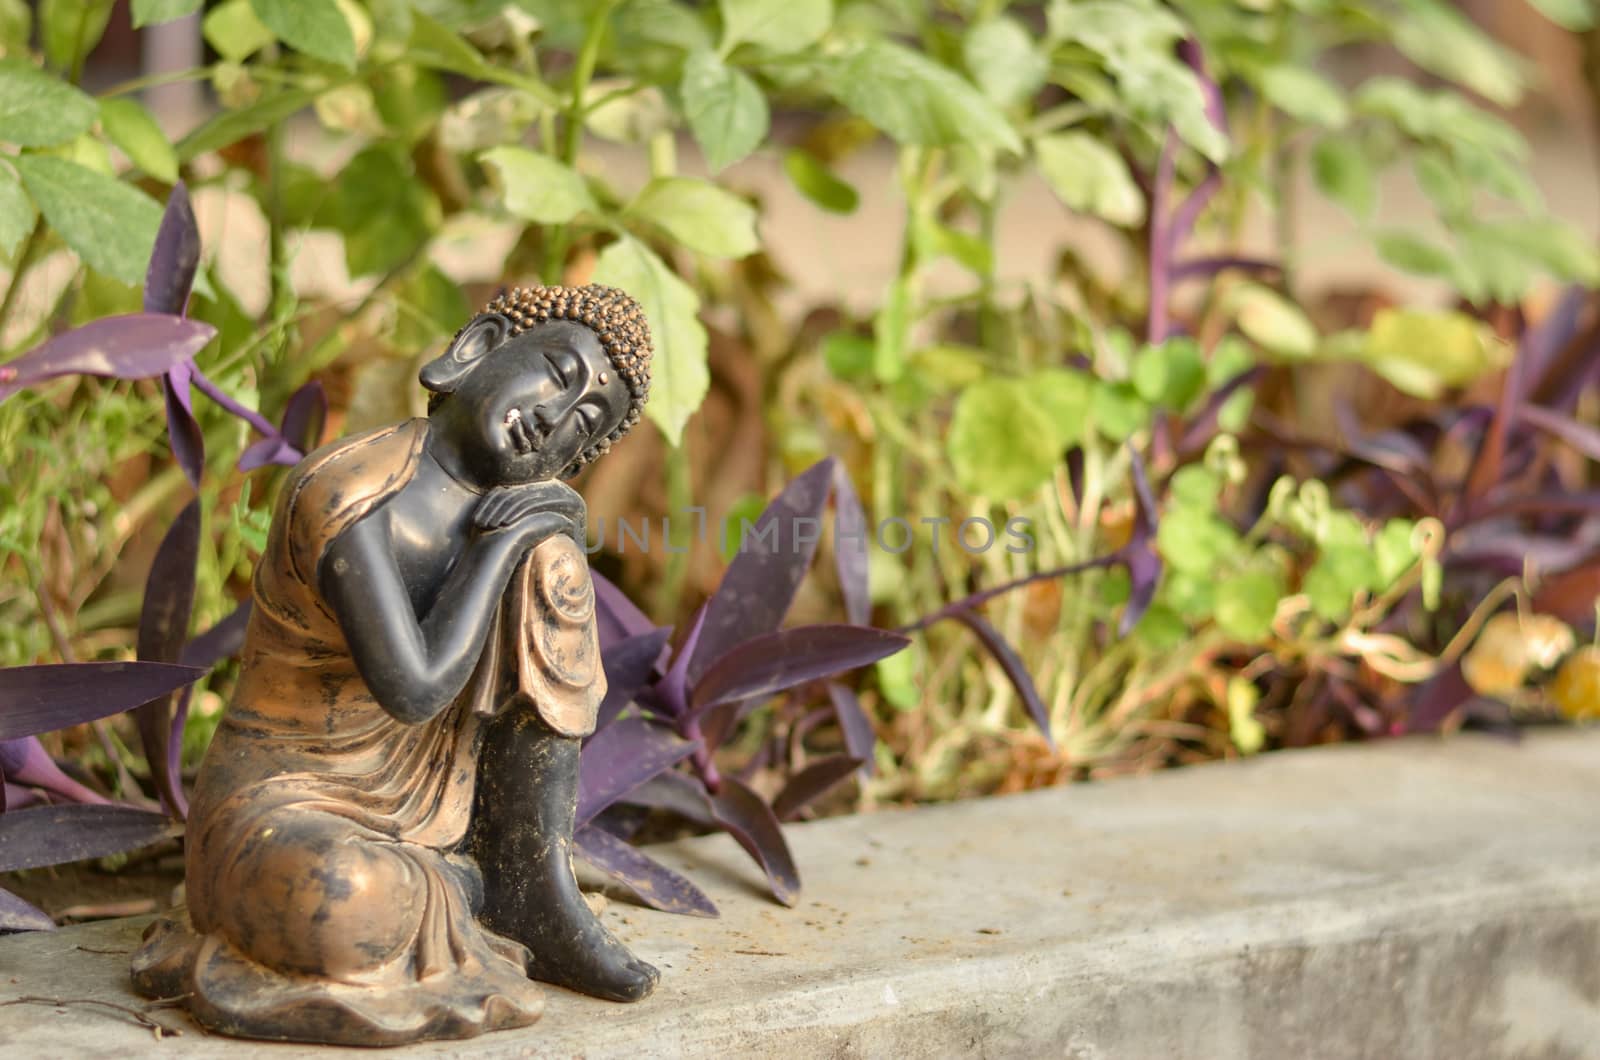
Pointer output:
367, 173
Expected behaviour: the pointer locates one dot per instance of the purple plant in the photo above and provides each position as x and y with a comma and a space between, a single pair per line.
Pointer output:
77, 821
667, 707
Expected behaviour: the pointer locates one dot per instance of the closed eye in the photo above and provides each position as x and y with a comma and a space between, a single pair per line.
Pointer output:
588, 418
557, 371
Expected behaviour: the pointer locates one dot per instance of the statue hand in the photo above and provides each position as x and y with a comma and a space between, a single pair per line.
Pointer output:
512, 506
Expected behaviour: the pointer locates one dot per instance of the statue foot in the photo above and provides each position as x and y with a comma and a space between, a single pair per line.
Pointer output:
570, 947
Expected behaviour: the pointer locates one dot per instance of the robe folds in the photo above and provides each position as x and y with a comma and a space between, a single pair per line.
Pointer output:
327, 899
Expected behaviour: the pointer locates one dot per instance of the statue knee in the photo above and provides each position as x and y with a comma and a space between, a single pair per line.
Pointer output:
322, 901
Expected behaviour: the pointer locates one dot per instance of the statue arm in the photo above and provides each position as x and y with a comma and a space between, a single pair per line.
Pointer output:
416, 667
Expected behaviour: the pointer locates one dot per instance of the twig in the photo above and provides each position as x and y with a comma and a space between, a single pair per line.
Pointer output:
156, 1027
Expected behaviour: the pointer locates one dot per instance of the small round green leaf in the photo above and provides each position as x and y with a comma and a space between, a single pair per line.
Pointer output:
699, 215
996, 438
1246, 604
726, 111
817, 183
537, 187
1087, 175
316, 27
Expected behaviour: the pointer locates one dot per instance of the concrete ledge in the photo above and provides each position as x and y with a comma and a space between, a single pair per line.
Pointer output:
1412, 899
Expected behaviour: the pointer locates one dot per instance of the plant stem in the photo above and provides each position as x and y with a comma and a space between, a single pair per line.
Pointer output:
572, 140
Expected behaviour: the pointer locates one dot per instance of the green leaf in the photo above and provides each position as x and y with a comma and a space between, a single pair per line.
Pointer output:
1414, 254
817, 183
1087, 175
848, 357
1393, 550
384, 212
1441, 183
316, 27
1550, 244
699, 215
537, 187
232, 126
678, 374
1196, 486
1576, 15
234, 30
915, 100
109, 224
777, 25
1117, 410
1445, 43
152, 12
1115, 28
1005, 60
1421, 351
1066, 397
37, 110
70, 29
1305, 95
1336, 577
726, 111
16, 212
1247, 734
1246, 604
1273, 321
1170, 375
1194, 541
1344, 174
995, 437
434, 308
132, 128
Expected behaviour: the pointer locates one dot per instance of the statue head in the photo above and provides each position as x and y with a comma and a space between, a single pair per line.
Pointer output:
541, 382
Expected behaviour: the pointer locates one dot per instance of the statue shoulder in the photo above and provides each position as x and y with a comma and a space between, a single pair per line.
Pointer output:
344, 480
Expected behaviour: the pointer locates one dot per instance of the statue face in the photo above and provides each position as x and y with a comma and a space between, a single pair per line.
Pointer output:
528, 408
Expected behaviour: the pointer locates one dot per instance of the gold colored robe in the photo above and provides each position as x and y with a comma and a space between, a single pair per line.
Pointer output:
324, 898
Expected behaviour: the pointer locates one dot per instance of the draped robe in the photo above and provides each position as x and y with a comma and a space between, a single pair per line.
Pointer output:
326, 898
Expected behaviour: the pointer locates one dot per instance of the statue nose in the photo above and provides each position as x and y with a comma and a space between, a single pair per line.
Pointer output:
546, 416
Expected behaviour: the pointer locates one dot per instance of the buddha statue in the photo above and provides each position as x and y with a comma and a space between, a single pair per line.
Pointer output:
379, 847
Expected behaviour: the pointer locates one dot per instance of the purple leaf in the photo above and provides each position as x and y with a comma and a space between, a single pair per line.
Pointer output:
163, 629
36, 699
622, 756
677, 792
1015, 671
772, 662
860, 739
1438, 699
656, 885
1488, 463
1580, 436
26, 762
967, 603
812, 782
303, 417
175, 257
628, 664
135, 346
54, 835
1542, 345
220, 641
616, 615
671, 693
184, 436
751, 823
850, 550
17, 915
1139, 554
761, 582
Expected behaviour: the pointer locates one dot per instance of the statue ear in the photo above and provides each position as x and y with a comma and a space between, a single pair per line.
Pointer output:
445, 372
